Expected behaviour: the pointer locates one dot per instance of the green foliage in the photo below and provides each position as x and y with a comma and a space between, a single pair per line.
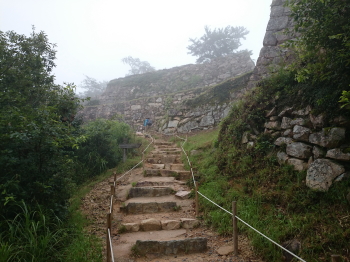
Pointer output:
323, 42
44, 153
217, 43
345, 99
137, 66
100, 150
36, 125
220, 93
31, 235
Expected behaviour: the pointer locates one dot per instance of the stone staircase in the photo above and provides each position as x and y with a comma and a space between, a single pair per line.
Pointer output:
154, 213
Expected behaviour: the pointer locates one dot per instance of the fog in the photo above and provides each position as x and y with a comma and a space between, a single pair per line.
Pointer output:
92, 36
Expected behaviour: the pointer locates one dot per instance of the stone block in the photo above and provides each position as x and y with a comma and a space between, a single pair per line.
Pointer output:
274, 125
132, 227
299, 150
174, 247
321, 174
225, 250
277, 23
270, 39
148, 208
170, 224
301, 133
189, 223
183, 194
286, 123
283, 141
151, 224
173, 124
282, 157
149, 192
338, 154
329, 138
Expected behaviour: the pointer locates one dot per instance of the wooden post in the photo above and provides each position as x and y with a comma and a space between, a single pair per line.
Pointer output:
109, 226
336, 258
143, 162
115, 176
197, 204
235, 229
113, 190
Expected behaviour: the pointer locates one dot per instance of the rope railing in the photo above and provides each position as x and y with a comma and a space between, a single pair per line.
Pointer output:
109, 249
241, 220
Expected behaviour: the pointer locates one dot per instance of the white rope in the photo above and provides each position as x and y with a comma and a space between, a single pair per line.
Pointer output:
180, 137
215, 203
251, 227
110, 244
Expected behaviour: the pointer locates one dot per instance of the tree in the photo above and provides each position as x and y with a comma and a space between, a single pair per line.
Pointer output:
217, 43
93, 89
36, 125
323, 45
137, 66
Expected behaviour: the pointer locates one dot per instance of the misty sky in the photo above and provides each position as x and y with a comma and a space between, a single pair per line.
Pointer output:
92, 36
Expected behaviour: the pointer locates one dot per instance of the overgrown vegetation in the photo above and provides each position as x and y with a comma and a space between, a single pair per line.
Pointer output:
272, 198
220, 93
46, 155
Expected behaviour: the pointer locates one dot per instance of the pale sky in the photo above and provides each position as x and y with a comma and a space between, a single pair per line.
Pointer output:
92, 36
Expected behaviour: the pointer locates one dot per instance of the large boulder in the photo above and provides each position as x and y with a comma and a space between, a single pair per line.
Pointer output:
283, 141
286, 123
329, 138
338, 154
299, 150
321, 174
301, 133
274, 125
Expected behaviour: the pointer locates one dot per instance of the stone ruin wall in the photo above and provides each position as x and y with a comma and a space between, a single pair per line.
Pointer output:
165, 107
169, 113
177, 79
272, 54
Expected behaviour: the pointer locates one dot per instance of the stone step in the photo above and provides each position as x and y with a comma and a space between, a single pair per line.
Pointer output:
179, 175
147, 183
149, 192
148, 207
164, 159
172, 247
153, 205
178, 167
157, 166
162, 152
163, 143
153, 224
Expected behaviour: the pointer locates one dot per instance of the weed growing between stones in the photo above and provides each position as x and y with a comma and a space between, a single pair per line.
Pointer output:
177, 208
122, 229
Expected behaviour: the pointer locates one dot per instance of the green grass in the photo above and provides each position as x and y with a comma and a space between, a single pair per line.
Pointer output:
273, 199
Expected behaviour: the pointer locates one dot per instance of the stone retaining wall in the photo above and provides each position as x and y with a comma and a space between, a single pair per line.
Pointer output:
307, 142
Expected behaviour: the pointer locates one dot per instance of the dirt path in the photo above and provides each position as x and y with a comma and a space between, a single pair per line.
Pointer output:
135, 218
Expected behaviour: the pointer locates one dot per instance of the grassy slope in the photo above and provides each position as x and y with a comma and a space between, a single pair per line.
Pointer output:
272, 198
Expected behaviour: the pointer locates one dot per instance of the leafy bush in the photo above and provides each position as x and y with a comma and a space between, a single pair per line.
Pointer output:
100, 150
